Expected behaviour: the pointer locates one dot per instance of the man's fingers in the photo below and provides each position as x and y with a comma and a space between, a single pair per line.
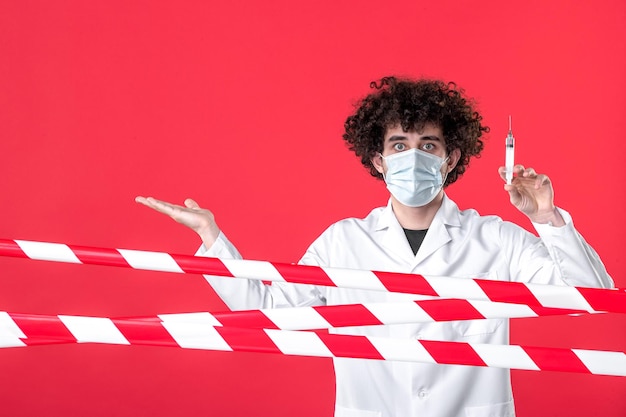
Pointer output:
541, 180
146, 201
526, 177
532, 181
519, 171
158, 205
167, 208
502, 172
190, 203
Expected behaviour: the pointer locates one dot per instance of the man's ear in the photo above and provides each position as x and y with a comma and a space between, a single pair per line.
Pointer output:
377, 161
453, 159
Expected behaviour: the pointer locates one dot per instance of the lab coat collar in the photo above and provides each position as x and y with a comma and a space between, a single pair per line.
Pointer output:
447, 214
395, 240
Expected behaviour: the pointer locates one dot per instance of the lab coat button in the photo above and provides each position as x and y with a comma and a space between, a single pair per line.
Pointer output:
422, 394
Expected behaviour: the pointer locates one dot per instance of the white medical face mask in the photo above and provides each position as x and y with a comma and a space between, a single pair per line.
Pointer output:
414, 177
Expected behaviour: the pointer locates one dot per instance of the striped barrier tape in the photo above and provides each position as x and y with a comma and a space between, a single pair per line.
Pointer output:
24, 330
368, 314
576, 298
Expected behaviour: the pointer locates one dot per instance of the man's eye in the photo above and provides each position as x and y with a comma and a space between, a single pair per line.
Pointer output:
428, 147
399, 147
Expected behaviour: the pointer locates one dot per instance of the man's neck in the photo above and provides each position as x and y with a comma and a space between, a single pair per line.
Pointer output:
416, 218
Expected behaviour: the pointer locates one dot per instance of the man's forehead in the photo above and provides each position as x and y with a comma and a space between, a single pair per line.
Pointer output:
428, 127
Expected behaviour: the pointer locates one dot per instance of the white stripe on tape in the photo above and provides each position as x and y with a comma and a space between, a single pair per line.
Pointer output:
504, 356
44, 251
354, 278
9, 326
401, 349
500, 310
10, 333
93, 329
201, 318
196, 336
559, 296
452, 287
9, 339
611, 363
296, 318
259, 270
402, 312
298, 343
152, 261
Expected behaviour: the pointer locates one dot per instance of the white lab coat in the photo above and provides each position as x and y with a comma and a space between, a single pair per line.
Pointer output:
459, 244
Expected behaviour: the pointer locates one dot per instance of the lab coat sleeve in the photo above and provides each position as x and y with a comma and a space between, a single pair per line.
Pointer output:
243, 294
560, 256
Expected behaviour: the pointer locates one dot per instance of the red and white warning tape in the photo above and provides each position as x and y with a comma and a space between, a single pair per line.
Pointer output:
576, 298
369, 314
23, 330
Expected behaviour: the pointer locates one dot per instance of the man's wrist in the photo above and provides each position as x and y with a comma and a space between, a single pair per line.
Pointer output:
552, 218
209, 235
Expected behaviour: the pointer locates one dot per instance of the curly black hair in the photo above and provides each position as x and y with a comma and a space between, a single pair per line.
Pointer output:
412, 104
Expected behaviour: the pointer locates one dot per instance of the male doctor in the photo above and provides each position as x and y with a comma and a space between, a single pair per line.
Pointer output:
418, 136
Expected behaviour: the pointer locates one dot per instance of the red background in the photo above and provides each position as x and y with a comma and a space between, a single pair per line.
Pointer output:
240, 105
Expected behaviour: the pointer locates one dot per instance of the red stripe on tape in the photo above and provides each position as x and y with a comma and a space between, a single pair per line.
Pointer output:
508, 292
248, 319
603, 300
350, 347
341, 316
452, 353
42, 342
450, 310
10, 248
407, 283
42, 327
99, 256
247, 340
304, 274
552, 311
202, 265
548, 359
144, 331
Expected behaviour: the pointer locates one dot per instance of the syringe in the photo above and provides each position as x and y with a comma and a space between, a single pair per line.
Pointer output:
510, 154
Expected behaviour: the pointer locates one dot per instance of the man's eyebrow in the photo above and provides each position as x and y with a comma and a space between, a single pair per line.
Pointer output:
396, 138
